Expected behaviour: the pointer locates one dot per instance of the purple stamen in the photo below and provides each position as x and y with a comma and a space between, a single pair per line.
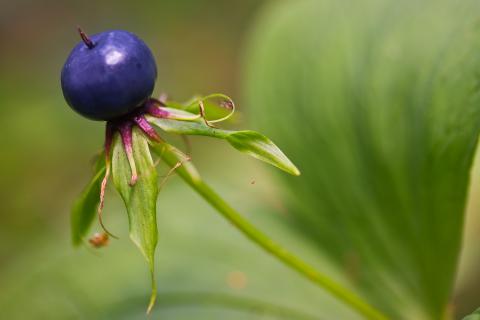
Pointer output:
154, 108
145, 126
126, 134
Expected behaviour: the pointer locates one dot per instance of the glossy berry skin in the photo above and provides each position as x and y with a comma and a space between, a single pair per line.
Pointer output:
110, 79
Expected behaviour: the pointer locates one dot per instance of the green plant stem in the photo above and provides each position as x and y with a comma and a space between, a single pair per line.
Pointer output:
171, 156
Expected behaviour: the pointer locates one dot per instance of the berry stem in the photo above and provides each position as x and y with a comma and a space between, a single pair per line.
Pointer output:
88, 42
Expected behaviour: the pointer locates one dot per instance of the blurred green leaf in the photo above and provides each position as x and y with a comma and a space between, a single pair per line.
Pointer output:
378, 102
85, 207
140, 199
473, 316
249, 142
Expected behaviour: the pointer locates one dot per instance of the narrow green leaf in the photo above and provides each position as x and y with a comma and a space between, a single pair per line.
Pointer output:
140, 199
198, 128
178, 114
473, 316
249, 142
262, 148
85, 207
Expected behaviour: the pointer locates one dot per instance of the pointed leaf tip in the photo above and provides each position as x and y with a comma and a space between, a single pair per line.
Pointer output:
262, 148
140, 199
153, 295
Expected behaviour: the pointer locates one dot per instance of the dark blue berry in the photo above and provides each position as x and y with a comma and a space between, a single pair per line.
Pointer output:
108, 75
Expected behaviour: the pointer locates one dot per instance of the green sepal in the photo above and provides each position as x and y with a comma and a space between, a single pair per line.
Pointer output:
85, 206
140, 199
262, 148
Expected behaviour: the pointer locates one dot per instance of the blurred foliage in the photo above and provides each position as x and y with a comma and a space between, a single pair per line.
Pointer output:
473, 316
198, 254
359, 94
377, 101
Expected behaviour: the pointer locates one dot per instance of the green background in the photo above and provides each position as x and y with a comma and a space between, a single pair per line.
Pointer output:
45, 160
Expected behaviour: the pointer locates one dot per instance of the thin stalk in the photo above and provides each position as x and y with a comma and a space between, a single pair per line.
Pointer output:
187, 172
